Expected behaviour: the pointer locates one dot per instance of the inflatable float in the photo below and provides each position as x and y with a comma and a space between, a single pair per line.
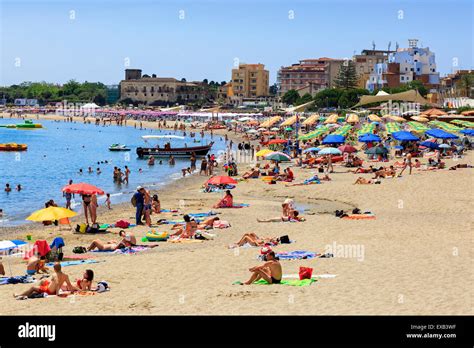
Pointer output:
29, 125
154, 236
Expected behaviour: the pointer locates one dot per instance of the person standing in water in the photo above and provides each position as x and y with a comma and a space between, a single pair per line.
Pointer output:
127, 173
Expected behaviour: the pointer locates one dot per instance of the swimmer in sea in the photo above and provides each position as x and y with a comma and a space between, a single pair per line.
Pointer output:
18, 187
8, 188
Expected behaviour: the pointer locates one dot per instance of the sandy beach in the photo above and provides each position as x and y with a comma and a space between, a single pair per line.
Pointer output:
415, 257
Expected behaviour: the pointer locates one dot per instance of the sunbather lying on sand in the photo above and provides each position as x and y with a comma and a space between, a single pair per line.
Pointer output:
50, 287
254, 240
189, 229
99, 245
293, 217
361, 170
313, 180
386, 172
270, 271
461, 165
362, 181
252, 174
209, 222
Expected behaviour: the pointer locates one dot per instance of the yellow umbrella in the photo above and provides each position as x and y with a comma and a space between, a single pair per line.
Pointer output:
420, 118
263, 152
51, 214
352, 118
374, 118
331, 119
396, 118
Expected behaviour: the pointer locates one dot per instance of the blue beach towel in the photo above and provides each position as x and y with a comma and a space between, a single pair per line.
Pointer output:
73, 263
16, 280
296, 255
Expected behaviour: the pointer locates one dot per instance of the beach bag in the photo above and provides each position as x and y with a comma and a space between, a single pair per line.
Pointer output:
79, 250
305, 273
134, 201
93, 229
122, 224
285, 240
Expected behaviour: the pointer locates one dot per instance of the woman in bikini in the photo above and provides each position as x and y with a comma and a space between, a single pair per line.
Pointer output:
254, 240
86, 282
93, 207
362, 181
209, 222
189, 229
226, 202
86, 202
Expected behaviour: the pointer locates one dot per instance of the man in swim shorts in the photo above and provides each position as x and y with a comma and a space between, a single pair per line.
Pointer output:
270, 271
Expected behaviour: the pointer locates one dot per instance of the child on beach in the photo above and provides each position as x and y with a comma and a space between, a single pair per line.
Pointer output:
107, 201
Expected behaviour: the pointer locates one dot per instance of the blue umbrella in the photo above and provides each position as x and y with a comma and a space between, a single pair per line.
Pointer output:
444, 146
441, 134
312, 149
330, 151
404, 136
430, 144
334, 139
369, 138
468, 132
398, 147
376, 150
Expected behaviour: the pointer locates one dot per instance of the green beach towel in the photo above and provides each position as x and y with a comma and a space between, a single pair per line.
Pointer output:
291, 282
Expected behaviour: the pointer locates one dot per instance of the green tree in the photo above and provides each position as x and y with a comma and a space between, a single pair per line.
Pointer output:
273, 89
347, 76
466, 84
328, 98
304, 99
290, 97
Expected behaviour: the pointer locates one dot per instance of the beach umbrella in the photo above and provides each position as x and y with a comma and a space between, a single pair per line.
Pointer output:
374, 118
330, 151
396, 118
278, 156
369, 138
352, 118
420, 119
398, 147
404, 136
331, 119
288, 129
429, 144
245, 119
444, 146
252, 131
467, 132
441, 134
261, 129
51, 214
311, 149
263, 152
334, 139
275, 129
277, 141
377, 150
347, 148
221, 180
83, 188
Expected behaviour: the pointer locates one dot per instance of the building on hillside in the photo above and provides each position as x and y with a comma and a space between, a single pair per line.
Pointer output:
312, 75
450, 85
250, 81
224, 92
404, 66
153, 90
366, 61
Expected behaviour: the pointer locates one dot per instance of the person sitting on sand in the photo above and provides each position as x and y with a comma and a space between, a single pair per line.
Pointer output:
86, 282
49, 287
128, 239
226, 202
270, 271
189, 229
209, 222
252, 174
156, 205
293, 217
254, 240
36, 264
2, 269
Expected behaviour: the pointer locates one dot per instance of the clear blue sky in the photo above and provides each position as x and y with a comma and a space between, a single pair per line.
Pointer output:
93, 46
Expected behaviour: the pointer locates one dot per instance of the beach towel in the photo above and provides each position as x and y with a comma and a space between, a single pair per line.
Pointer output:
221, 224
16, 280
184, 241
175, 222
296, 255
57, 243
169, 210
314, 276
238, 205
292, 282
130, 250
359, 217
76, 257
74, 262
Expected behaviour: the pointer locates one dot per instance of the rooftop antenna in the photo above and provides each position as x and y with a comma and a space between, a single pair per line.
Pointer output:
389, 45
396, 46
412, 43
373, 45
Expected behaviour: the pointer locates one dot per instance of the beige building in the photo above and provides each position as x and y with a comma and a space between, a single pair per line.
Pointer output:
365, 63
310, 75
152, 90
250, 81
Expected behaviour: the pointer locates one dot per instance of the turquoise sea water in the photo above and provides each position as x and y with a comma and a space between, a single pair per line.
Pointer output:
57, 152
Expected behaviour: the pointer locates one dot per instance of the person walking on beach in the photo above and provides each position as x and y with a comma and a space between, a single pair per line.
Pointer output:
139, 201
407, 164
147, 207
68, 197
193, 162
203, 166
94, 205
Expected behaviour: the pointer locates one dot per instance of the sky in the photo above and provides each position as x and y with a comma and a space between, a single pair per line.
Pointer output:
96, 40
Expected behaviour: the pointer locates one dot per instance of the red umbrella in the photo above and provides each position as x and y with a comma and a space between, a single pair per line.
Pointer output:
277, 141
347, 148
83, 188
221, 180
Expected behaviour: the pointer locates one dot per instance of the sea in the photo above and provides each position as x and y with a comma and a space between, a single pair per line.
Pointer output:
58, 151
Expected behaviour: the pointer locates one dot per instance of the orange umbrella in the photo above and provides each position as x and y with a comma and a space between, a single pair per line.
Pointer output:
83, 189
